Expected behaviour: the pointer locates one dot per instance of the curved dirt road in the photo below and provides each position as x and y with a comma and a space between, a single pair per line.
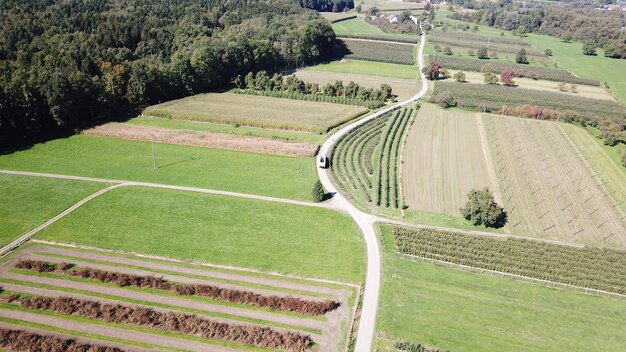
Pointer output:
367, 324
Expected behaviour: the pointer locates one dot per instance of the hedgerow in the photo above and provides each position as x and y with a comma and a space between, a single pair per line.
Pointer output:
550, 74
380, 51
20, 340
596, 268
183, 323
292, 304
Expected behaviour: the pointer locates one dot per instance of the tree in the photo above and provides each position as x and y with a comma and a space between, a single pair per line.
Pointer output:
491, 78
482, 53
317, 194
447, 50
521, 31
506, 77
521, 57
589, 48
566, 37
573, 88
548, 52
562, 87
494, 55
459, 76
481, 209
432, 71
445, 99
238, 81
358, 8
486, 68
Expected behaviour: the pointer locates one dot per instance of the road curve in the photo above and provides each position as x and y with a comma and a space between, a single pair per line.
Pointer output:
367, 323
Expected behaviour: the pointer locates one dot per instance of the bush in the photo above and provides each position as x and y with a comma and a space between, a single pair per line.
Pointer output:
491, 78
317, 194
19, 340
506, 77
589, 48
459, 76
445, 100
548, 52
481, 209
482, 53
521, 57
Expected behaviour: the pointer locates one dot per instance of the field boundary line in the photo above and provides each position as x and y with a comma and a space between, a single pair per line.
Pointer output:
208, 265
546, 283
25, 237
477, 233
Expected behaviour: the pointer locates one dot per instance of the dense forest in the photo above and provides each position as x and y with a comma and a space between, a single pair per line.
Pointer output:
65, 64
328, 5
582, 21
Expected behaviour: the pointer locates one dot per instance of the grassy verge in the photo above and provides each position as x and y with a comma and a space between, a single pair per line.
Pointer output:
216, 229
444, 220
278, 176
29, 201
464, 311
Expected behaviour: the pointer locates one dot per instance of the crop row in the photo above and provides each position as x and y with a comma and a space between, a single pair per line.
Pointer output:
374, 144
601, 269
183, 323
380, 51
20, 340
463, 37
292, 304
494, 97
383, 37
550, 74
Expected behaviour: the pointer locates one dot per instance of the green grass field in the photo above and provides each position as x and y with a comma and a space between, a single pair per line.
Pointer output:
230, 129
223, 230
464, 311
358, 27
360, 67
570, 57
278, 176
29, 201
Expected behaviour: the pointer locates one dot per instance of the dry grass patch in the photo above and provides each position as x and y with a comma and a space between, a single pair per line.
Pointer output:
443, 160
257, 111
204, 139
403, 88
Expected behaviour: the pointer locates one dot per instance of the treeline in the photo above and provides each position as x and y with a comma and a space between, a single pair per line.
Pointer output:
20, 340
189, 324
580, 21
294, 88
66, 64
291, 304
328, 5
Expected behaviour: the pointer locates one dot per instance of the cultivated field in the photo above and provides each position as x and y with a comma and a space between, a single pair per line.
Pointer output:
358, 28
465, 311
218, 229
257, 111
584, 91
395, 53
370, 68
272, 175
549, 188
30, 201
204, 139
402, 87
136, 302
366, 163
443, 160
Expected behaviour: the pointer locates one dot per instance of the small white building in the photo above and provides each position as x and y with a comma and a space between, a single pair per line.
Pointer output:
413, 18
393, 18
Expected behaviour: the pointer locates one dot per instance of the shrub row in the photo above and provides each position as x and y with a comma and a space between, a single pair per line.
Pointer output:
170, 321
20, 340
291, 304
383, 37
550, 74
380, 51
601, 269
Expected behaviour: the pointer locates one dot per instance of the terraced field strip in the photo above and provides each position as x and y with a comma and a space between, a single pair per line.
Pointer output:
367, 161
443, 161
328, 332
549, 190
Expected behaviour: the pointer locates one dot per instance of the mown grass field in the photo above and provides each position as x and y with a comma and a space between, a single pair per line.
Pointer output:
278, 176
443, 160
29, 201
371, 68
464, 311
357, 27
569, 56
295, 136
549, 188
257, 111
216, 229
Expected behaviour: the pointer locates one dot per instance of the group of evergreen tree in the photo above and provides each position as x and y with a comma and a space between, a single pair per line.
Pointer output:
261, 81
68, 64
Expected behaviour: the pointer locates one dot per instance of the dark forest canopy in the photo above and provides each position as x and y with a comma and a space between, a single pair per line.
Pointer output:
328, 5
66, 63
584, 21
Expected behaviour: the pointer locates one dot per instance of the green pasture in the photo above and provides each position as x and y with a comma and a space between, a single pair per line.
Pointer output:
361, 67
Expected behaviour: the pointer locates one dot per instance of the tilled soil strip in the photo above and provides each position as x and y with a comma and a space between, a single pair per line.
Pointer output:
172, 301
76, 338
341, 293
171, 342
168, 277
